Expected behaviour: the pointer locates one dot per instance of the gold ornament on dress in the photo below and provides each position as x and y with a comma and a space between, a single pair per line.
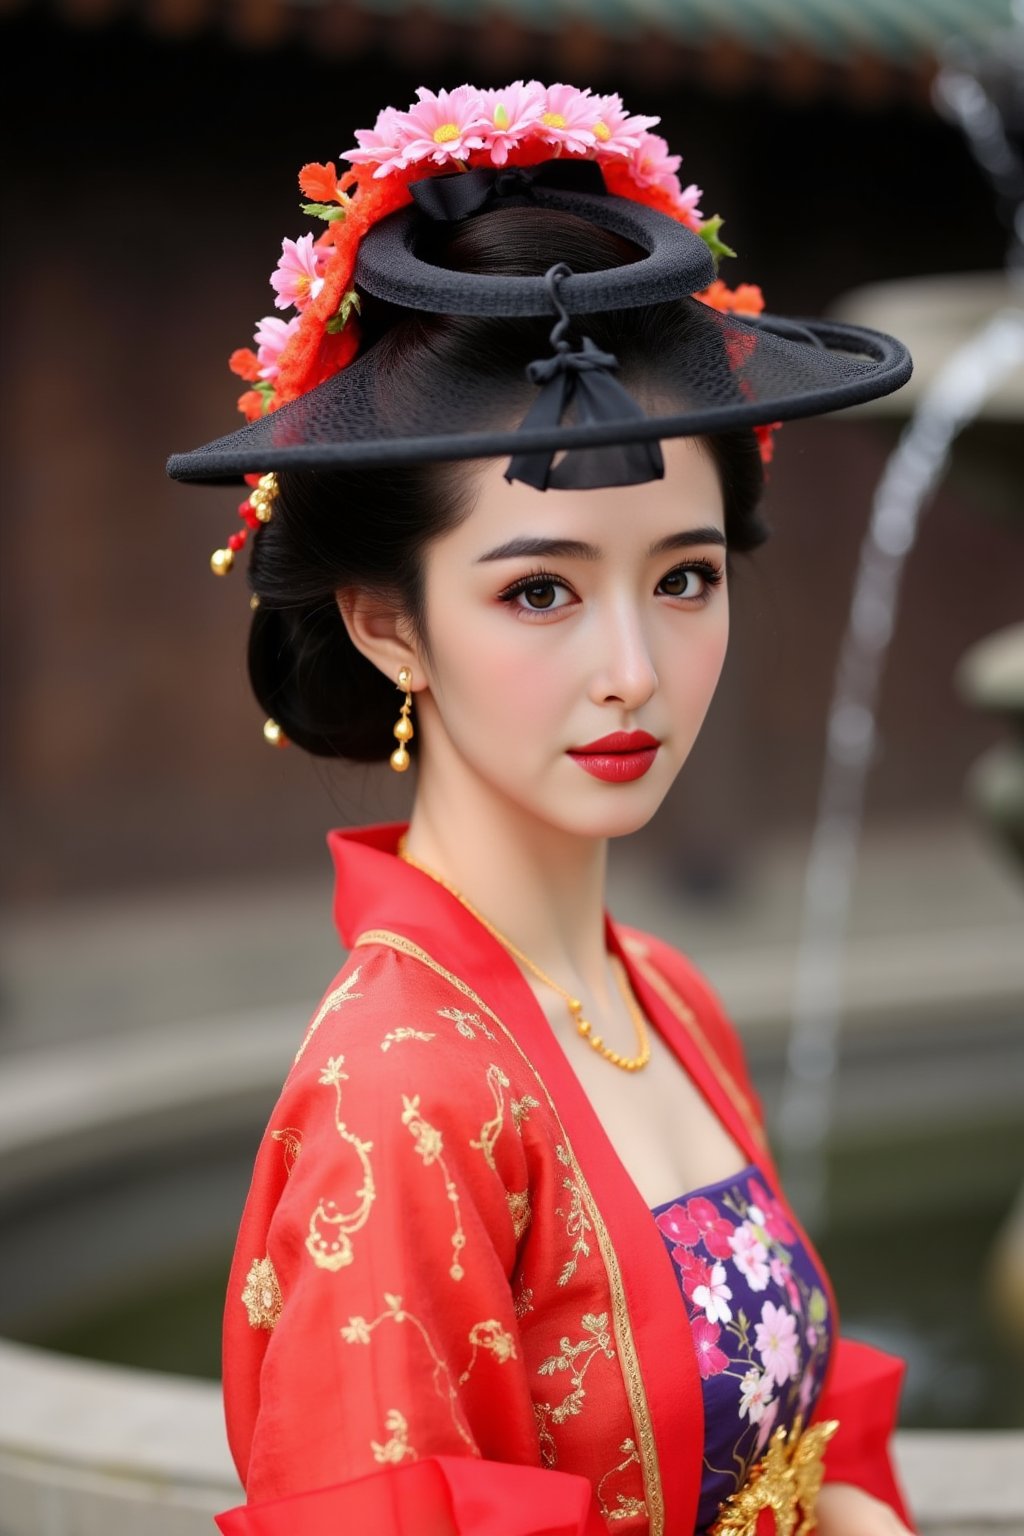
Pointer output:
583, 1027
787, 1480
262, 1294
403, 731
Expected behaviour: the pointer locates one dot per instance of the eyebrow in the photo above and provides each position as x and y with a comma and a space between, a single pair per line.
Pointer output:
574, 549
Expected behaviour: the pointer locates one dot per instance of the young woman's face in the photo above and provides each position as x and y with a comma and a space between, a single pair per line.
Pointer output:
558, 619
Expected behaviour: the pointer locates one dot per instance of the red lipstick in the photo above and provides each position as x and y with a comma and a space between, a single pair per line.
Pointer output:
619, 758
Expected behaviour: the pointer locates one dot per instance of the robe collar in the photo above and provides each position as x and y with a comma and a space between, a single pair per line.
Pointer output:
376, 890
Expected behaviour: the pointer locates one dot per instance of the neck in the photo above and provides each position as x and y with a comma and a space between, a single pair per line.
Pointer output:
541, 887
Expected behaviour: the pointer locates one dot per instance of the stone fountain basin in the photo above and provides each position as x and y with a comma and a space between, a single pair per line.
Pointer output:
89, 1448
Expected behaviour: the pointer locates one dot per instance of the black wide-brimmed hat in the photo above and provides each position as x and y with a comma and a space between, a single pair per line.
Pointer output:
736, 370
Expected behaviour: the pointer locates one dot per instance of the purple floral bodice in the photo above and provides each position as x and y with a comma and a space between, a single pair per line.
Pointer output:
759, 1317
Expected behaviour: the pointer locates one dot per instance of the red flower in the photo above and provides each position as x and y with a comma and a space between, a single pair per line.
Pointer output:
320, 182
251, 405
710, 1359
695, 1271
714, 1229
679, 1226
744, 299
245, 363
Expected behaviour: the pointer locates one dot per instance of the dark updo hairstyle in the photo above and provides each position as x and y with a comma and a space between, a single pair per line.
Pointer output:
369, 528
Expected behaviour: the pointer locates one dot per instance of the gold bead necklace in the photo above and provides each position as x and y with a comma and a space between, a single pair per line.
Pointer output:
583, 1027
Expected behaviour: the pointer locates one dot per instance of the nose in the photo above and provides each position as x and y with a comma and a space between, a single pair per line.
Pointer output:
624, 672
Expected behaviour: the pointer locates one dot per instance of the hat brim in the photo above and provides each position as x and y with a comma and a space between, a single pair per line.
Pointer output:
352, 420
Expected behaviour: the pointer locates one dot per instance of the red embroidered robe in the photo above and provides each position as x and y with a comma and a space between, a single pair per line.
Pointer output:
450, 1309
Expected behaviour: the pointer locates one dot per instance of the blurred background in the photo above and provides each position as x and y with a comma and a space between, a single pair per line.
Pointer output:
165, 887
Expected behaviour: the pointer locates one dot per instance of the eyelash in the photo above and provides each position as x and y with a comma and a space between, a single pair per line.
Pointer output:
710, 573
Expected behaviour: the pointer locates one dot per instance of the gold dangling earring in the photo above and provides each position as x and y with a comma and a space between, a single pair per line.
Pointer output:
403, 725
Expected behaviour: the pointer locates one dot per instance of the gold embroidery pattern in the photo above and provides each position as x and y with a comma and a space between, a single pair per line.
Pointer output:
491, 1129
328, 1241
521, 1110
787, 1480
488, 1335
626, 1506
576, 1224
467, 1024
519, 1210
686, 1016
576, 1359
331, 1003
262, 1294
290, 1138
643, 1427
394, 1036
522, 1301
430, 1146
397, 1448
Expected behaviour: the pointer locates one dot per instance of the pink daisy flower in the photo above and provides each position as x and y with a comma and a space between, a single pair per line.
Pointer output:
688, 203
714, 1295
271, 338
775, 1341
381, 143
616, 132
297, 278
750, 1256
710, 1359
442, 127
651, 165
569, 118
511, 114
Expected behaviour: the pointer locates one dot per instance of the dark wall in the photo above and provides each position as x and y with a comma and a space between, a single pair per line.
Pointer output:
146, 192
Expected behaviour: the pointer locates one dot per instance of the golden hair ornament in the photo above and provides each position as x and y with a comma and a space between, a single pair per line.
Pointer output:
254, 511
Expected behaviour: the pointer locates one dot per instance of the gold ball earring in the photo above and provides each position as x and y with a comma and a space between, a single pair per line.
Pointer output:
403, 730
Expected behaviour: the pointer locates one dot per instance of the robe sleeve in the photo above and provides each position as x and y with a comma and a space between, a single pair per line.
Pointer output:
392, 1394
863, 1393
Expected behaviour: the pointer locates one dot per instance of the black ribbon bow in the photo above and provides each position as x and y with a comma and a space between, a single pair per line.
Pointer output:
456, 196
585, 379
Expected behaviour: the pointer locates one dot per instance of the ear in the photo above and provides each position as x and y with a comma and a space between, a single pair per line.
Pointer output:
381, 632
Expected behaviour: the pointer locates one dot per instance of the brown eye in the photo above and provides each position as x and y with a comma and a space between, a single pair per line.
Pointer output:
541, 595
680, 584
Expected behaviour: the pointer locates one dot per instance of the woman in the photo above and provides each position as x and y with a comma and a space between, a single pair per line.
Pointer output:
515, 1258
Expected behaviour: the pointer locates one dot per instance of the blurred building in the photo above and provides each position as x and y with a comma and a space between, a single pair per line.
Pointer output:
147, 188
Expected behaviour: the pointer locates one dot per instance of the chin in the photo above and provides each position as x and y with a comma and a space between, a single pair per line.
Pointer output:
626, 810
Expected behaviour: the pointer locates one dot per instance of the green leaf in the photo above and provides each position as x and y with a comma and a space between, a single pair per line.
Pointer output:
265, 389
818, 1307
349, 301
327, 211
708, 232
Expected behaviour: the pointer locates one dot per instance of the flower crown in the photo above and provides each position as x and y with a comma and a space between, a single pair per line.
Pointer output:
519, 125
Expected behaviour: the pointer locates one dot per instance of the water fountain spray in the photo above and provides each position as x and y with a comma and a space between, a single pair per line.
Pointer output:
913, 472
